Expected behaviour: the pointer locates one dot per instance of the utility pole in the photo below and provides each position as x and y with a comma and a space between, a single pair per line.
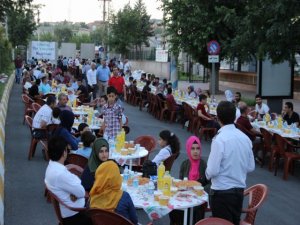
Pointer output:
104, 21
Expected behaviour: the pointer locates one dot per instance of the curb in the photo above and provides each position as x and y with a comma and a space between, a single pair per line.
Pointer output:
3, 112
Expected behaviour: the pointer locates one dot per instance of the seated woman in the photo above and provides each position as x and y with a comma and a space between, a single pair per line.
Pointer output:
88, 139
191, 92
64, 129
194, 169
99, 154
170, 145
107, 194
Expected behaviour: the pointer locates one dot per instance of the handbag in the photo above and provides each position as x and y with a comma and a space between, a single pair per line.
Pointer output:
149, 169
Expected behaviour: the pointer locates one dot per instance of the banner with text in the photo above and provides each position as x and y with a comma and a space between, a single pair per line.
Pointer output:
161, 55
43, 50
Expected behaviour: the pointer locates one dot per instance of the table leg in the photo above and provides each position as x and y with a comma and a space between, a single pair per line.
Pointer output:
185, 216
191, 215
130, 164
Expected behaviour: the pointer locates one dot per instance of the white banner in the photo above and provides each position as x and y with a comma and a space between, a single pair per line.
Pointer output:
161, 55
43, 50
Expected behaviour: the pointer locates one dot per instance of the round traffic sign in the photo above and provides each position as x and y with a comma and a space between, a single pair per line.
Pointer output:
213, 47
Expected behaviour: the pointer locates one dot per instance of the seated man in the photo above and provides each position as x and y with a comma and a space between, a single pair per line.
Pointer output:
65, 185
82, 89
289, 115
260, 108
62, 102
206, 119
237, 98
171, 101
244, 121
43, 117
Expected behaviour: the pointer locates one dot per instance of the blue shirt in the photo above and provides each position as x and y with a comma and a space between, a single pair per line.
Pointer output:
103, 74
126, 208
69, 138
44, 88
74, 86
86, 152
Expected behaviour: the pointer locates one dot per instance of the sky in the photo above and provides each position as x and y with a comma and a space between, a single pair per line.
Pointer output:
87, 10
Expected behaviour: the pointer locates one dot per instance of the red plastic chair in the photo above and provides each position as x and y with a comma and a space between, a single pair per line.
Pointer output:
27, 103
76, 159
56, 201
36, 107
104, 217
257, 195
213, 221
169, 161
149, 143
267, 143
34, 141
75, 169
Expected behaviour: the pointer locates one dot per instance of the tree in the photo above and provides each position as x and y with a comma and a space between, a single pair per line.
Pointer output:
21, 25
5, 49
78, 39
143, 25
130, 27
7, 5
63, 33
45, 37
100, 35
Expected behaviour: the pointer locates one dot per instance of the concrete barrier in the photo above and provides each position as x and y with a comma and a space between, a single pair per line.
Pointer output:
3, 111
160, 69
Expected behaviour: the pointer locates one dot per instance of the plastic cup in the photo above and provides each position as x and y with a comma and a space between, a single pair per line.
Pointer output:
163, 200
199, 190
131, 144
124, 151
156, 195
80, 145
131, 150
174, 190
137, 147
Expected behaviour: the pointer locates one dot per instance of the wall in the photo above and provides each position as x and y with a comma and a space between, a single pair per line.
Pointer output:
159, 69
3, 111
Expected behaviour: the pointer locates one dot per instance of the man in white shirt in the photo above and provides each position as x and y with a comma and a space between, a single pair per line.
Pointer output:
230, 159
260, 108
92, 80
65, 185
43, 117
127, 67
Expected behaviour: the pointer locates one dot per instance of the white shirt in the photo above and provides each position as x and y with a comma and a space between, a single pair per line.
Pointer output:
91, 77
120, 65
230, 159
163, 154
45, 114
263, 109
127, 67
63, 183
77, 63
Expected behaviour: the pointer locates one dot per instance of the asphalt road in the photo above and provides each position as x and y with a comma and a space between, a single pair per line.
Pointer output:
24, 186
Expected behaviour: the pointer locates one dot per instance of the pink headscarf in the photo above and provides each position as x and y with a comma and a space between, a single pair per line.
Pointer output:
194, 168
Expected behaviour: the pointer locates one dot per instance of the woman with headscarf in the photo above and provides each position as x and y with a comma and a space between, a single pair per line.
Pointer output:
194, 169
191, 92
64, 130
99, 154
107, 194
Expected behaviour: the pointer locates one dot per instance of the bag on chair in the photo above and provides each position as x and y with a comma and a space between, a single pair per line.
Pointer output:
149, 169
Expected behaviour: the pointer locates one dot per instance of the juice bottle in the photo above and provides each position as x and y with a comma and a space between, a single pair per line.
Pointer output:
167, 182
160, 175
74, 103
123, 137
279, 121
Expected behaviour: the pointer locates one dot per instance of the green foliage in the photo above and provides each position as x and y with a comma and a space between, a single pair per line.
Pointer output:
21, 25
244, 29
63, 33
78, 39
7, 5
5, 56
249, 101
130, 27
100, 35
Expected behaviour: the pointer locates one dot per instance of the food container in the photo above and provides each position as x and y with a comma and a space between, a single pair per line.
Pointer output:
156, 195
124, 151
199, 190
164, 200
131, 150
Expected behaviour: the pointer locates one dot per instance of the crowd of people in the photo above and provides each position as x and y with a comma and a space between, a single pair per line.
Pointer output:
223, 176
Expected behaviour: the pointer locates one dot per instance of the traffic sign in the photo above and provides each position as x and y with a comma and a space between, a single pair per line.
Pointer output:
213, 58
213, 47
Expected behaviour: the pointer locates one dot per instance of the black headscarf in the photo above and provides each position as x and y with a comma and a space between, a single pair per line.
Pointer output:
66, 119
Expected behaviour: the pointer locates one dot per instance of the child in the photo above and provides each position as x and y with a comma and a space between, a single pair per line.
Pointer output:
112, 114
169, 143
82, 128
102, 102
88, 139
55, 115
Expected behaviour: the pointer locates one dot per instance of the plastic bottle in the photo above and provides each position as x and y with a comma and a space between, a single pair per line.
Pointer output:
167, 182
112, 146
126, 174
135, 182
123, 137
160, 174
150, 188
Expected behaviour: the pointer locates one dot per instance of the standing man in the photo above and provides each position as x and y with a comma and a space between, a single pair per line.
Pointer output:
18, 66
117, 81
103, 74
127, 67
92, 80
230, 159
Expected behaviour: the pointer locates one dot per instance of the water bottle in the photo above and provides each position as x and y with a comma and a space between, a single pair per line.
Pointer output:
126, 174
112, 146
150, 188
135, 182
